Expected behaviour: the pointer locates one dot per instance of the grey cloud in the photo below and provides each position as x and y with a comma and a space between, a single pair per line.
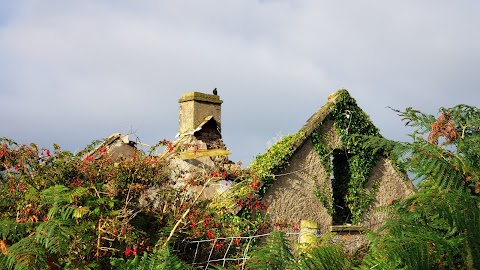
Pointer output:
72, 72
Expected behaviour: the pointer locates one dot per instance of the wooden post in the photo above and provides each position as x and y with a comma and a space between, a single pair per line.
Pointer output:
308, 233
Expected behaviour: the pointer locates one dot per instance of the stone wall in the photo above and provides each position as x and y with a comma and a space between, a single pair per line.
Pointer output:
391, 185
292, 198
330, 136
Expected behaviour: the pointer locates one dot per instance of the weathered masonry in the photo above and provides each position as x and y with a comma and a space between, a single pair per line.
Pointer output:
324, 174
199, 147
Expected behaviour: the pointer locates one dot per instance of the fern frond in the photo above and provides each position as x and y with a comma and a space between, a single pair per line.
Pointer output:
55, 234
415, 118
436, 166
432, 229
13, 230
328, 257
167, 260
470, 156
465, 115
26, 254
274, 254
55, 194
162, 259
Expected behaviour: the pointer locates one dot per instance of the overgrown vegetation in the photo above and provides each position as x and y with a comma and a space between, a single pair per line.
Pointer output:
275, 159
276, 254
349, 121
61, 210
437, 228
81, 211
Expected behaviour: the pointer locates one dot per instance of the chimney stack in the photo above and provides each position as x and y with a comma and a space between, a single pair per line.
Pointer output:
195, 107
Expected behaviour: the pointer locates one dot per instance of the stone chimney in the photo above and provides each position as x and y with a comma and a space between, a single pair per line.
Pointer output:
195, 107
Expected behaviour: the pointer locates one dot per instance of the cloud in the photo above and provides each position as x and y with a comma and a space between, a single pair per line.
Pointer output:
76, 71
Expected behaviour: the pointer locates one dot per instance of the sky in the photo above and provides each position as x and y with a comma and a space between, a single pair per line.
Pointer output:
76, 71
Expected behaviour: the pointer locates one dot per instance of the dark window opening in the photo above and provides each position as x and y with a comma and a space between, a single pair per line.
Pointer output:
341, 174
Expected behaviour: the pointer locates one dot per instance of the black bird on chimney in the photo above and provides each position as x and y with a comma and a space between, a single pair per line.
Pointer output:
215, 91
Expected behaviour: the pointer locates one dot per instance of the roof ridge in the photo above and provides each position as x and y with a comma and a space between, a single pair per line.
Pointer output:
319, 116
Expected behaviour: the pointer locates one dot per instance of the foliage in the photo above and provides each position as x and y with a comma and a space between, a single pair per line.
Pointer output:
349, 122
60, 209
438, 228
88, 211
245, 196
324, 196
431, 230
275, 159
276, 254
326, 257
162, 259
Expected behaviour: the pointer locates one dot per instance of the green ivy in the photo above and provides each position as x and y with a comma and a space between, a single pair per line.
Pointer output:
324, 196
350, 121
319, 146
275, 159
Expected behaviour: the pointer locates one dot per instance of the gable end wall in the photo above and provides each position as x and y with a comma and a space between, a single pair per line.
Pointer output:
391, 185
292, 198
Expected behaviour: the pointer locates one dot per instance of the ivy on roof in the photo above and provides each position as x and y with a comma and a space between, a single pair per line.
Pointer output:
350, 121
276, 158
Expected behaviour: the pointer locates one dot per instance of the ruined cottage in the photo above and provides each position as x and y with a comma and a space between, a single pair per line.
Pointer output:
198, 147
324, 174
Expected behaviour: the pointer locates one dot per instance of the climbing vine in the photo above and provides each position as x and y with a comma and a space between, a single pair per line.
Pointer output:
322, 194
349, 122
246, 194
275, 159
